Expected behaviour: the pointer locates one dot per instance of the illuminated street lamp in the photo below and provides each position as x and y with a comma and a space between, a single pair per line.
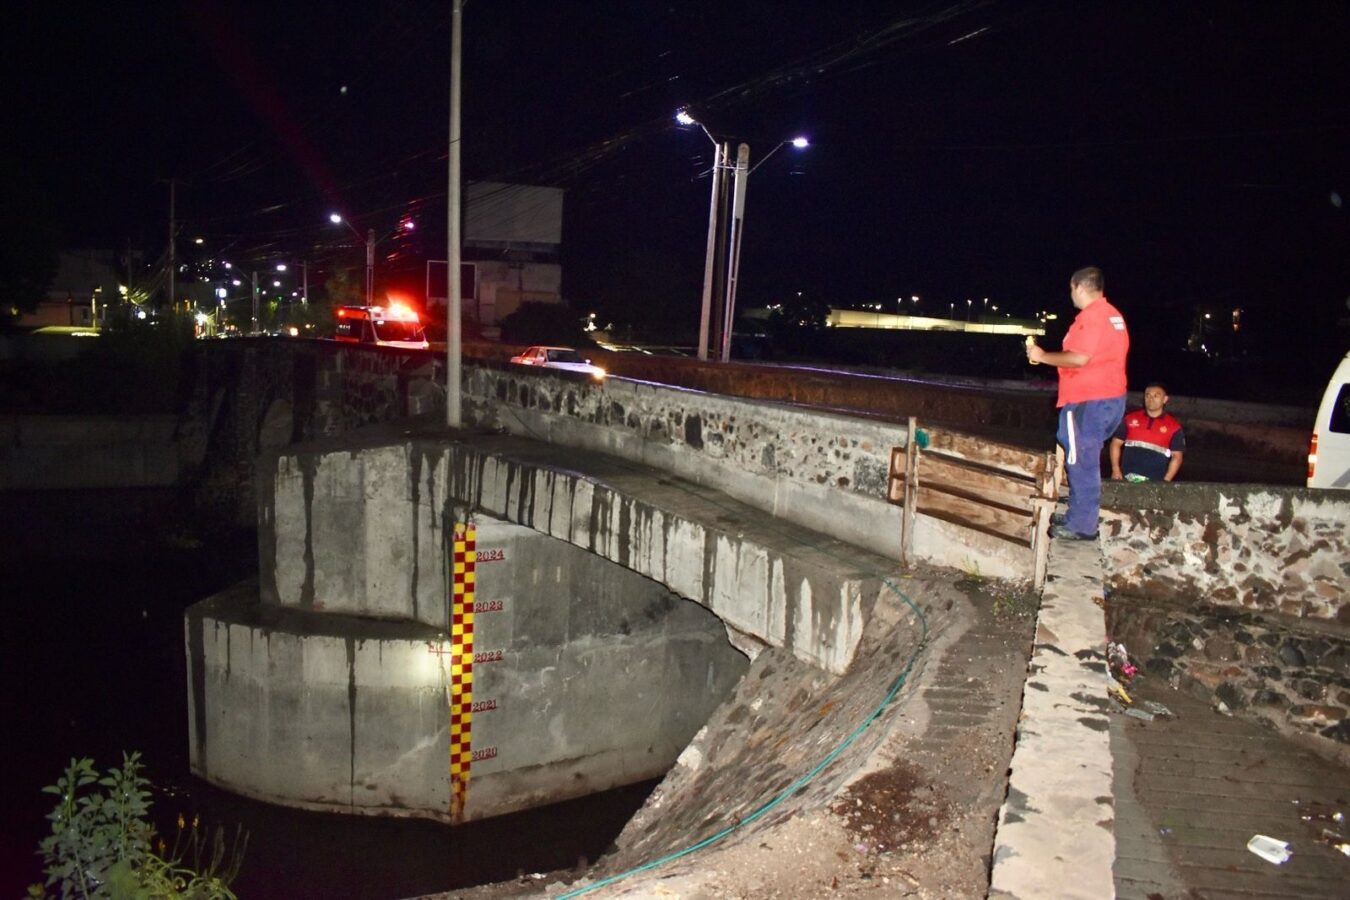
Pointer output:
405, 225
709, 262
742, 171
370, 254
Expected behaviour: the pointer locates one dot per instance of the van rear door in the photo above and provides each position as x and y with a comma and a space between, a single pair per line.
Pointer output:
1329, 454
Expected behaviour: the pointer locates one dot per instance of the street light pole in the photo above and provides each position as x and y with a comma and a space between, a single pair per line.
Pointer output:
255, 302
370, 267
453, 325
735, 229
708, 265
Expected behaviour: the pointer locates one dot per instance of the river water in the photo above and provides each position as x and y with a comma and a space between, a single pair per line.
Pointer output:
94, 588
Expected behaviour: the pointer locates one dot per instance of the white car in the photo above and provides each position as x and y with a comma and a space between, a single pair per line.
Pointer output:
564, 358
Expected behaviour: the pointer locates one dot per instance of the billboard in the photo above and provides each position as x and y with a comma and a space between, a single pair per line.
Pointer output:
499, 214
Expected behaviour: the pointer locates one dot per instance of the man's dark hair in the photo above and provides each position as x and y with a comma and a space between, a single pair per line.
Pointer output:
1156, 384
1090, 277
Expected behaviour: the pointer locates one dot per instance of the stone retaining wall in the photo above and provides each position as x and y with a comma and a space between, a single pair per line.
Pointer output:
824, 471
1249, 547
1294, 677
1237, 593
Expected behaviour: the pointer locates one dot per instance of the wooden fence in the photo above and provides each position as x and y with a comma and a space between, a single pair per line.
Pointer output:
995, 489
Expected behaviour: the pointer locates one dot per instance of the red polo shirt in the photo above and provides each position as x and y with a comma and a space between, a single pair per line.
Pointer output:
1098, 332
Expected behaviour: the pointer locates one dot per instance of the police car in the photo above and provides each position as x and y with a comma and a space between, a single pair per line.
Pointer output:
396, 325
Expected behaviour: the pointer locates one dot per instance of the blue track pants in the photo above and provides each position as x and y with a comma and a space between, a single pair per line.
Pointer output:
1083, 430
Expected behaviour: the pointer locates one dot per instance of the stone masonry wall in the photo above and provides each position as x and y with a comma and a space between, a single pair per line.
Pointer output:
824, 471
1293, 677
1249, 547
258, 394
1237, 594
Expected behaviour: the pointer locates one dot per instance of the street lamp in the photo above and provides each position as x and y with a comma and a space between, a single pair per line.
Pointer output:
405, 225
370, 254
720, 152
735, 229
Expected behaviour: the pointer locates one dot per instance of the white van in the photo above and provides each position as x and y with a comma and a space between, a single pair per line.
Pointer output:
1329, 449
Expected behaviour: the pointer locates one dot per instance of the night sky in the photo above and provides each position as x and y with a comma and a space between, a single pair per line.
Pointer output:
1198, 152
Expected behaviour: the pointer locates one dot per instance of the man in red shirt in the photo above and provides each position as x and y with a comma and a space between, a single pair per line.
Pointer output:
1091, 396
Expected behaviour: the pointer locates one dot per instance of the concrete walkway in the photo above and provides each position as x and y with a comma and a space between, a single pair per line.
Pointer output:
1055, 835
1192, 790
1100, 804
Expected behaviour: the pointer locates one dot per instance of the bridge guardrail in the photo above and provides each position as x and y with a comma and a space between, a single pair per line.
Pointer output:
996, 489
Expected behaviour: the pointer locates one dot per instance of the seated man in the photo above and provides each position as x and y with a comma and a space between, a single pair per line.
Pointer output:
1149, 443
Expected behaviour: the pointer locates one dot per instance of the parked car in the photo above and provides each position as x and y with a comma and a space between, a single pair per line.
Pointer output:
564, 358
395, 325
1329, 448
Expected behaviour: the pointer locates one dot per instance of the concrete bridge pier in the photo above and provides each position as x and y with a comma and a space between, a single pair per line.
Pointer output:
458, 629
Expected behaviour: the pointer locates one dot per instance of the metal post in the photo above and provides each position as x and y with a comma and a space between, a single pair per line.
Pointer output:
911, 493
720, 260
370, 267
737, 226
304, 290
453, 324
173, 229
709, 264
255, 302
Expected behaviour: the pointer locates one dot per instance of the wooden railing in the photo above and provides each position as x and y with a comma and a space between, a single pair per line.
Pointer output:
995, 489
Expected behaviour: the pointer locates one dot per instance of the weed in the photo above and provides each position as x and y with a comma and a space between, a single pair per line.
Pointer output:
103, 845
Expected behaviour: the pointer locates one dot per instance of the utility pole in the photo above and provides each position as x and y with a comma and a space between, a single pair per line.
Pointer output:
370, 267
255, 302
719, 297
736, 228
304, 284
173, 233
131, 274
453, 325
709, 264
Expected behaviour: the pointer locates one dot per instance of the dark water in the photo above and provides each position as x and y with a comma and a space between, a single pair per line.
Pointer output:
94, 587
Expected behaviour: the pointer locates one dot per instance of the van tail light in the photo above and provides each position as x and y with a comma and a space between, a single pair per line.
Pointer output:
1312, 456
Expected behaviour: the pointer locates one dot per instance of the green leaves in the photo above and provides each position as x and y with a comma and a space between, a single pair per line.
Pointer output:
102, 842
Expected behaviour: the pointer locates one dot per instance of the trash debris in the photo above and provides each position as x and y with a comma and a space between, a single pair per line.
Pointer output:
1222, 709
1312, 811
1122, 667
1157, 709
1269, 849
1335, 840
1317, 816
1139, 714
1117, 690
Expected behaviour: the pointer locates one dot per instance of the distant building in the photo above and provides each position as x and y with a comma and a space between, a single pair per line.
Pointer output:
512, 251
84, 285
